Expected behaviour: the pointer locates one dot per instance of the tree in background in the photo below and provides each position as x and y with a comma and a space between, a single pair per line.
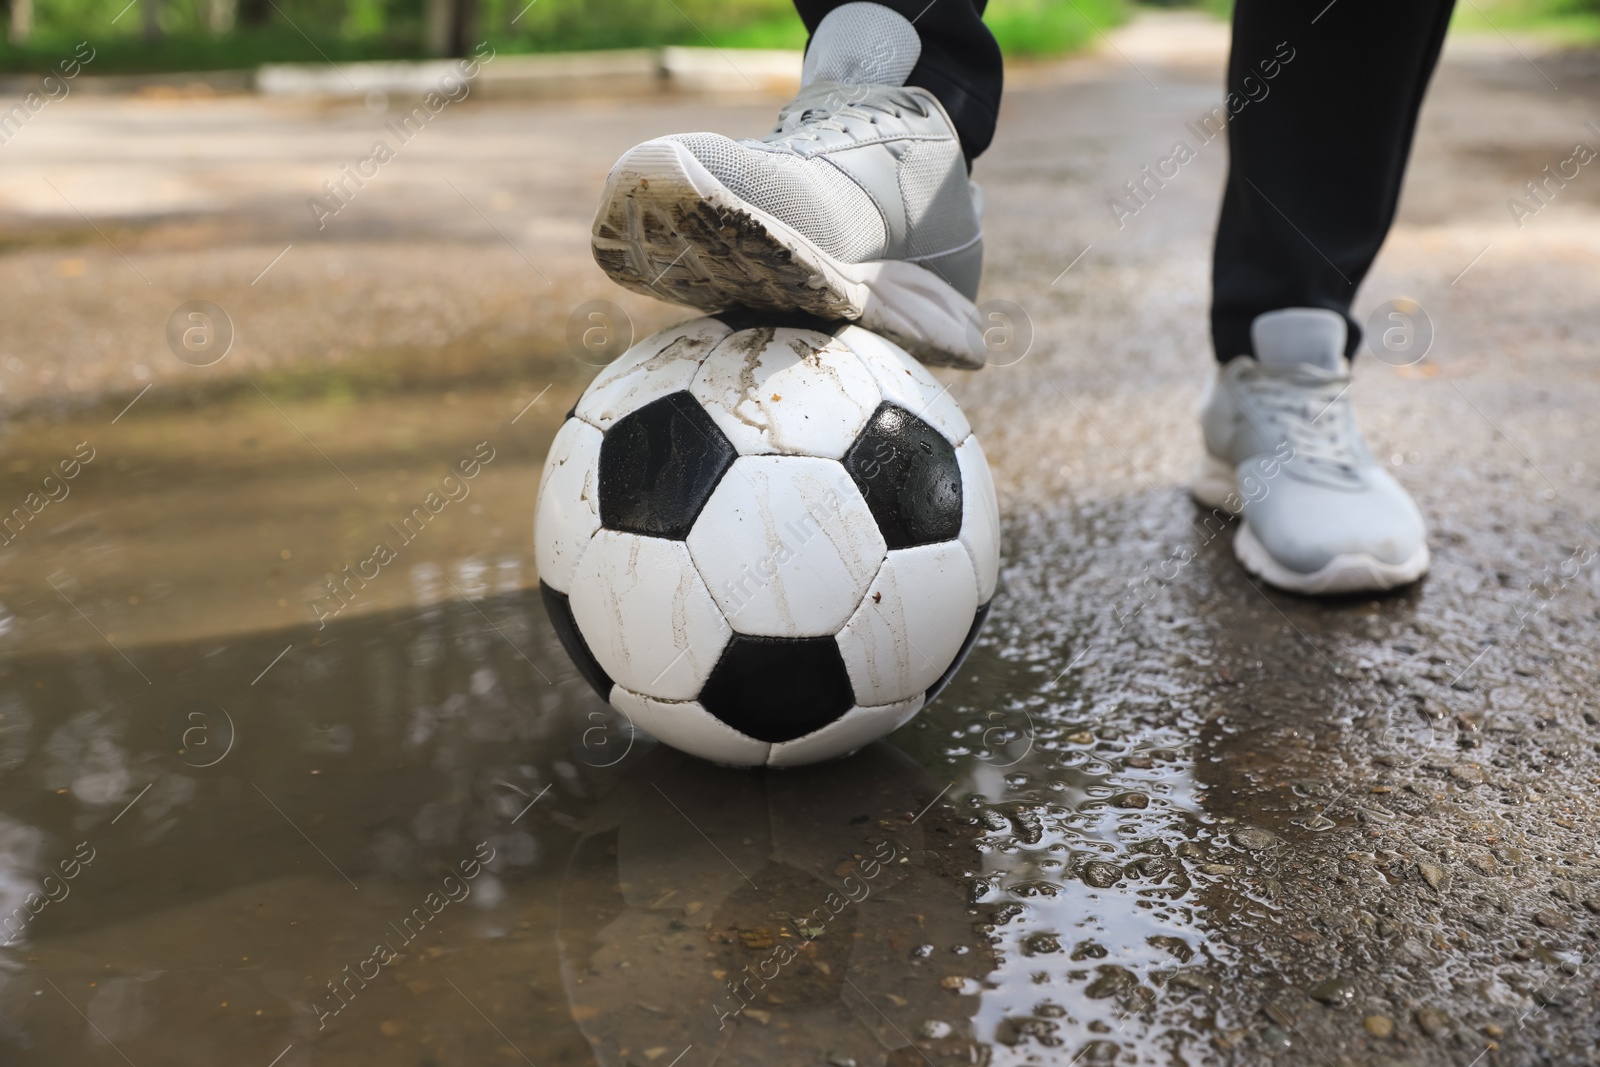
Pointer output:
196, 35
20, 23
452, 26
254, 13
221, 15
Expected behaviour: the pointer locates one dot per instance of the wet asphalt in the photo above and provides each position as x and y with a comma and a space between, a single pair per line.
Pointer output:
1166, 815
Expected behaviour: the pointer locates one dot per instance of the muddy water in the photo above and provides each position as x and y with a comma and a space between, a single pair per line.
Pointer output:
398, 826
413, 832
248, 813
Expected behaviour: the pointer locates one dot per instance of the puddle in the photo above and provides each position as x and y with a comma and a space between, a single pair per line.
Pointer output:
240, 828
408, 825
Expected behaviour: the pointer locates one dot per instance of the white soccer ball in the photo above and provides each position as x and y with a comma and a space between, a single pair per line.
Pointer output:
766, 544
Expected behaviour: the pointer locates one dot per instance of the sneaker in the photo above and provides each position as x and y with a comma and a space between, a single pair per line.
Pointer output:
1321, 516
856, 207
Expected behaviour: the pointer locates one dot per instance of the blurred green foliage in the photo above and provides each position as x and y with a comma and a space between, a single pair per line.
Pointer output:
130, 54
1050, 27
1566, 21
310, 30
560, 25
1563, 21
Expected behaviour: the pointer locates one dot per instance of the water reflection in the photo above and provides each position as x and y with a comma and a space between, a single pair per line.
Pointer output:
419, 835
1083, 888
1072, 742
770, 917
273, 848
278, 863
251, 840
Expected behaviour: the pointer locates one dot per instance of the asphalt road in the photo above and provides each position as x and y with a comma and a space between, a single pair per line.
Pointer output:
1189, 820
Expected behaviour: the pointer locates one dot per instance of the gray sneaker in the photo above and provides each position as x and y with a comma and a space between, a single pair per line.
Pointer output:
857, 207
1321, 516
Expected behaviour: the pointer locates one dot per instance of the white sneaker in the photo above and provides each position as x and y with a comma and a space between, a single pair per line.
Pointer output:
857, 207
1321, 516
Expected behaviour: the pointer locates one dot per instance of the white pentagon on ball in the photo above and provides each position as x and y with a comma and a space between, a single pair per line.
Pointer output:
766, 544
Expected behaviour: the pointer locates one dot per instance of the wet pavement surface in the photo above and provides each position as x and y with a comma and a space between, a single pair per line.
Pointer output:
1165, 816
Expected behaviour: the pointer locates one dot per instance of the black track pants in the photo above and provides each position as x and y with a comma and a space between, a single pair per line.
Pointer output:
960, 61
1314, 167
1316, 154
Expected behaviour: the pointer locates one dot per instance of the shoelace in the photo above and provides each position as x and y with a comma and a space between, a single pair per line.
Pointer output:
1307, 408
830, 109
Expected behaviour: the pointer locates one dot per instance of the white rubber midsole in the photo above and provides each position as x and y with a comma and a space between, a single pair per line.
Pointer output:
1216, 486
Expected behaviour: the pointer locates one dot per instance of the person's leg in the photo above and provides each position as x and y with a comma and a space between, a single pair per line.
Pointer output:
858, 207
1324, 97
960, 61
1317, 161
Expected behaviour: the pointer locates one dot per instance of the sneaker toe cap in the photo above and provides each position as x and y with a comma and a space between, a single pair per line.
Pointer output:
1306, 526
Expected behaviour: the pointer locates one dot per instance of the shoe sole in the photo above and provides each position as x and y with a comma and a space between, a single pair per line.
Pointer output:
1349, 572
669, 229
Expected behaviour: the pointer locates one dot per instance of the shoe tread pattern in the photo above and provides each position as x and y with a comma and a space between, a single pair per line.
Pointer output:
668, 243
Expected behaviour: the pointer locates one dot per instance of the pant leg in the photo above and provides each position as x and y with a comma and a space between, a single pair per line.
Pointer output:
960, 62
1317, 152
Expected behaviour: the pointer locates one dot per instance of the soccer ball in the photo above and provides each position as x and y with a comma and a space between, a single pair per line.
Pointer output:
766, 544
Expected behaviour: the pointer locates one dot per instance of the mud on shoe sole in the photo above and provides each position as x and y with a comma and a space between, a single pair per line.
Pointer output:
669, 229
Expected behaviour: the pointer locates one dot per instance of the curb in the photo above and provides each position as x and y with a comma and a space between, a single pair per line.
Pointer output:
358, 80
625, 72
195, 83
641, 72
731, 70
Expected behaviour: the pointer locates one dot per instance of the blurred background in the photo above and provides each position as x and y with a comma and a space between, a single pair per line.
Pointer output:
179, 35
222, 34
